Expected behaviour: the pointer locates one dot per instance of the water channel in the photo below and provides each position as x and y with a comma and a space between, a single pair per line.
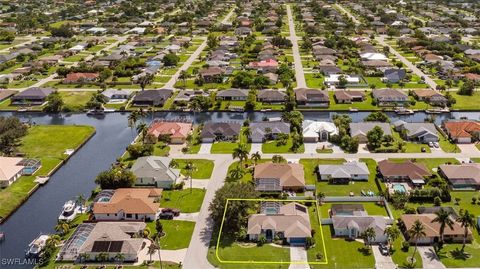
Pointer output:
39, 213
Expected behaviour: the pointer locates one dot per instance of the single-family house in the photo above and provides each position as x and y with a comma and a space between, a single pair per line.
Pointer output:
10, 170
369, 56
462, 131
155, 171
5, 94
271, 96
173, 131
152, 97
348, 97
212, 74
430, 96
315, 131
289, 222
403, 171
220, 131
461, 176
423, 132
32, 96
116, 95
267, 130
80, 78
336, 80
343, 173
232, 95
273, 177
129, 204
360, 130
390, 97
312, 97
394, 75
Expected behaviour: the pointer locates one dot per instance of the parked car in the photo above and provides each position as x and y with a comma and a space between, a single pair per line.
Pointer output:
383, 249
174, 211
436, 145
430, 144
166, 215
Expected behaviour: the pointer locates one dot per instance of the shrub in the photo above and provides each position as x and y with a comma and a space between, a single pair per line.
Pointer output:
261, 240
319, 256
309, 242
179, 186
437, 201
405, 246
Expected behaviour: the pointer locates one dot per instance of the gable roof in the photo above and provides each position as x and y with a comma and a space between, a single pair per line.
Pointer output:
289, 174
362, 128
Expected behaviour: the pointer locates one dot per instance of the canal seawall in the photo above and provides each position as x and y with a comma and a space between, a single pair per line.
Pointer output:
49, 174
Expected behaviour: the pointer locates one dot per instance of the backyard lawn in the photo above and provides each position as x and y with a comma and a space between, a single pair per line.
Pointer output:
48, 143
188, 201
203, 168
75, 100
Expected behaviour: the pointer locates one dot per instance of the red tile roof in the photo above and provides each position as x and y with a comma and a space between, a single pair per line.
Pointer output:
462, 129
174, 129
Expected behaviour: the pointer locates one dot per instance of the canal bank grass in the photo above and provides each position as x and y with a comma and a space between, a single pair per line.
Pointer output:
47, 143
202, 168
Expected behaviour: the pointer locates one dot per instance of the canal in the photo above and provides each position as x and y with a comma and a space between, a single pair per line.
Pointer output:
39, 213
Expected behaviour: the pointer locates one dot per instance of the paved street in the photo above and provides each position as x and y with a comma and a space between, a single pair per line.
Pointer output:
354, 19
430, 82
186, 64
30, 39
299, 75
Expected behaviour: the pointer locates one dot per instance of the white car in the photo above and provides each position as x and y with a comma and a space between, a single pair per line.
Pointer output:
430, 144
436, 145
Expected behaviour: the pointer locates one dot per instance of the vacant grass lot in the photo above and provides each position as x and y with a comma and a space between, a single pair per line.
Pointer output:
203, 168
178, 233
188, 201
48, 143
76, 100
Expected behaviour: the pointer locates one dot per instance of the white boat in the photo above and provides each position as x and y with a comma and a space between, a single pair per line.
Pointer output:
403, 111
352, 109
96, 112
69, 211
36, 247
437, 110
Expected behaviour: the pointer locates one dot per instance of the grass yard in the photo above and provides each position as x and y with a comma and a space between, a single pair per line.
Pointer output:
446, 145
194, 145
310, 166
186, 201
466, 102
75, 100
273, 147
203, 168
178, 233
400, 257
55, 139
371, 207
228, 147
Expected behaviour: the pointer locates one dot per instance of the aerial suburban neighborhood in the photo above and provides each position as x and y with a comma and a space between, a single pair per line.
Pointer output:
239, 134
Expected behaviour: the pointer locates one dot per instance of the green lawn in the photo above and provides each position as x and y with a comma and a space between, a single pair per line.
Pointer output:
273, 147
188, 201
310, 166
400, 257
47, 142
203, 168
228, 147
446, 145
76, 100
466, 102
178, 233
194, 144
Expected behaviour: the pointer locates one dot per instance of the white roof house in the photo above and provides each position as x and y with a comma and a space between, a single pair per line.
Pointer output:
373, 56
350, 170
97, 30
314, 131
136, 30
335, 79
77, 48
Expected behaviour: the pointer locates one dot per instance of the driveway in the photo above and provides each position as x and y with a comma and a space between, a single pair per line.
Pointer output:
205, 148
256, 147
468, 149
430, 259
187, 216
311, 147
299, 255
382, 262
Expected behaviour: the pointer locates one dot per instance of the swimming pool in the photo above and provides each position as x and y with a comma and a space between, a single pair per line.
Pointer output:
399, 188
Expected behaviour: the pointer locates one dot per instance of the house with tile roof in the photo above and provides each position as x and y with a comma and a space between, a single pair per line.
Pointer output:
430, 96
348, 97
343, 173
155, 171
129, 204
408, 171
267, 130
312, 97
175, 132
360, 130
423, 132
290, 222
462, 131
464, 176
80, 78
220, 131
279, 176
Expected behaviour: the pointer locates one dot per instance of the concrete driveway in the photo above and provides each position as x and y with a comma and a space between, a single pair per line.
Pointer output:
311, 147
298, 254
256, 147
430, 259
205, 148
382, 262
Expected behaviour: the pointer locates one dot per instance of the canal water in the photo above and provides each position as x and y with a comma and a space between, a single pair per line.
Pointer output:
39, 213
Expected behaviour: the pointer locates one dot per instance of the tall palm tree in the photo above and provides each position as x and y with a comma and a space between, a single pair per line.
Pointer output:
392, 234
241, 152
81, 201
236, 173
416, 232
102, 257
444, 219
132, 120
54, 240
369, 235
62, 227
142, 130
151, 110
145, 80
183, 76
142, 114
84, 257
189, 169
256, 157
467, 220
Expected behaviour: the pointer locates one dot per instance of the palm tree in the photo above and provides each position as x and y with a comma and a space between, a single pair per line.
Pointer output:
466, 220
183, 76
102, 257
62, 227
81, 201
120, 257
132, 120
142, 130
151, 250
151, 110
241, 152
416, 232
320, 196
278, 159
369, 235
256, 157
392, 234
247, 132
84, 257
142, 114
54, 240
444, 219
189, 168
236, 173
145, 80
173, 164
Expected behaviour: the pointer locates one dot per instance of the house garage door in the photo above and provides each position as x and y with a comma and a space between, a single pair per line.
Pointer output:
297, 240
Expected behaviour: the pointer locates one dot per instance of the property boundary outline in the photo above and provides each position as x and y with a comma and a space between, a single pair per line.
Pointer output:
271, 262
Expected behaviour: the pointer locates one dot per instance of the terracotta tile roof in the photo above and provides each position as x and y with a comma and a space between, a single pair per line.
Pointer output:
130, 201
432, 229
174, 129
462, 129
289, 174
74, 77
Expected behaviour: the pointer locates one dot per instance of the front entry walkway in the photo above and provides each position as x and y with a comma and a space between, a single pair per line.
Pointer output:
298, 254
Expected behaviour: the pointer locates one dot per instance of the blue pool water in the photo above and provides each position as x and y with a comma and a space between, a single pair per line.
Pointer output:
399, 188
